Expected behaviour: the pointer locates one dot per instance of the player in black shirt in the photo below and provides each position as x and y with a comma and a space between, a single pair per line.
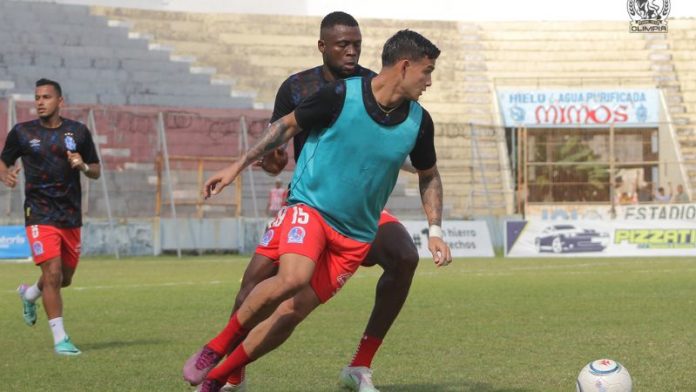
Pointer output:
340, 45
54, 150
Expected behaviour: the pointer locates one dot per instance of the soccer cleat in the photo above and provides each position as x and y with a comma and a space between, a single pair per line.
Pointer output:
29, 307
209, 386
241, 387
66, 347
200, 364
357, 378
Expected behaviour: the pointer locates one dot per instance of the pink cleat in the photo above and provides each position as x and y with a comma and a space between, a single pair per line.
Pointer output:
200, 364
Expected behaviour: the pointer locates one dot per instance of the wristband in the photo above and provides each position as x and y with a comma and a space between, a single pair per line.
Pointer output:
84, 168
435, 231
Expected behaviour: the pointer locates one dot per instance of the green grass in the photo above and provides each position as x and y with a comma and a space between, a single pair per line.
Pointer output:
478, 325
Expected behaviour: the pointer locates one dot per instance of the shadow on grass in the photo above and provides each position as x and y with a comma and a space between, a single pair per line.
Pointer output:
448, 387
116, 344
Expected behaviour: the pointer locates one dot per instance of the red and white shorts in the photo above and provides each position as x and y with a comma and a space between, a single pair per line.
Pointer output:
48, 242
300, 229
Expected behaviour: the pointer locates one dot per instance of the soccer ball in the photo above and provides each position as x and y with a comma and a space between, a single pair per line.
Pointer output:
604, 375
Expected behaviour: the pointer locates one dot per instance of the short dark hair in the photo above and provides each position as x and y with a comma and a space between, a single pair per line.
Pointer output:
48, 82
338, 18
409, 45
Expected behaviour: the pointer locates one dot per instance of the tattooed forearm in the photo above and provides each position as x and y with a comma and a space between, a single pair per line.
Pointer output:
273, 137
430, 186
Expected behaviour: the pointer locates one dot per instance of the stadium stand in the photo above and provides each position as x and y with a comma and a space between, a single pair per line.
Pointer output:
98, 62
259, 59
682, 48
255, 53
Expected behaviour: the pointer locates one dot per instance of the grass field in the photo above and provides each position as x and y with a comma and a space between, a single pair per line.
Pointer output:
478, 325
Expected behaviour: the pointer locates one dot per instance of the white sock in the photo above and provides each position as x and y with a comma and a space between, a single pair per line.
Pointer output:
33, 293
57, 329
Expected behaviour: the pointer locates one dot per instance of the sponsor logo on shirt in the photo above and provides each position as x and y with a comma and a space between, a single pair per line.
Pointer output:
35, 144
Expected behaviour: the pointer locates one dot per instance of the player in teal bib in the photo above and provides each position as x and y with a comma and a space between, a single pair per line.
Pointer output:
329, 187
360, 132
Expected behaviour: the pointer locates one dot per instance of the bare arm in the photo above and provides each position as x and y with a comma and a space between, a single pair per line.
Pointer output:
431, 196
275, 135
8, 176
91, 170
430, 186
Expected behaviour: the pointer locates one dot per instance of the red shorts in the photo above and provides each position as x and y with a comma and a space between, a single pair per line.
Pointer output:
48, 242
300, 229
386, 217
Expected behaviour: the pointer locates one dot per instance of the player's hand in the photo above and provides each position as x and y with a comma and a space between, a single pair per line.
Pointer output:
76, 161
9, 177
442, 255
220, 180
274, 162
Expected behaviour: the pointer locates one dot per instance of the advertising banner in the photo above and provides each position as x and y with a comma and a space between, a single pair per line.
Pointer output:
579, 108
600, 238
574, 212
14, 243
465, 238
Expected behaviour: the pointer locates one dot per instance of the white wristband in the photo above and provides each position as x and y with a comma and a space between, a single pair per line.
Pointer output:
435, 231
84, 168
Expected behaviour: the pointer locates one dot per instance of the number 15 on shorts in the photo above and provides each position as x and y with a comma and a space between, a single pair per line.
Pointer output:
299, 216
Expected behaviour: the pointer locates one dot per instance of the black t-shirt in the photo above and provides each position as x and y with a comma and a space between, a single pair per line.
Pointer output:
320, 110
53, 192
298, 87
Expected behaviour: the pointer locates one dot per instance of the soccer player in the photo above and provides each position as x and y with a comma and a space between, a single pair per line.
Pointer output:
54, 150
360, 131
340, 43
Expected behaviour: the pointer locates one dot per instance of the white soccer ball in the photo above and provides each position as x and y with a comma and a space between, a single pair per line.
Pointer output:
604, 375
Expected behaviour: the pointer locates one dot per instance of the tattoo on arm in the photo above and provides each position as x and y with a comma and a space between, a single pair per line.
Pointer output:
275, 135
430, 186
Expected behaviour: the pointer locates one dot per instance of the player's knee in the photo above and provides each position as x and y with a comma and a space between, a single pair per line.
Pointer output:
67, 280
403, 263
291, 285
409, 260
53, 278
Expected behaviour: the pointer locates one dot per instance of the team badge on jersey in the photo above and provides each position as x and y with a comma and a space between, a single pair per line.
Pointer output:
35, 144
70, 143
267, 237
296, 235
38, 248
